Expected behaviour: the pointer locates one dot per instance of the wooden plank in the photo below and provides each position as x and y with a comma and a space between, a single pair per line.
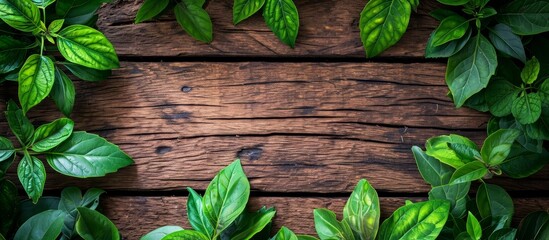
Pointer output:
299, 127
329, 28
135, 216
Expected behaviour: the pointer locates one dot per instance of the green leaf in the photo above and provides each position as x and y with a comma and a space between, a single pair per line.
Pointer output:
87, 155
438, 147
382, 24
469, 172
199, 3
327, 226
306, 237
544, 91
226, 197
432, 170
22, 15
487, 12
8, 205
185, 235
71, 199
92, 225
150, 9
473, 227
497, 146
52, 134
12, 53
243, 9
36, 79
195, 213
32, 176
451, 28
45, 226
56, 25
470, 69
540, 129
526, 17
527, 108
161, 232
464, 151
423, 220
522, 163
19, 124
507, 42
28, 209
535, 226
282, 18
43, 3
447, 49
454, 2
285, 234
79, 12
87, 74
195, 21
248, 224
362, 211
530, 71
500, 95
456, 194
493, 201
504, 234
63, 92
442, 13
88, 47
6, 150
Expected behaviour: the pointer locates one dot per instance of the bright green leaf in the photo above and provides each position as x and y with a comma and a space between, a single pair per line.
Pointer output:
185, 235
63, 92
248, 224
423, 220
328, 227
487, 12
282, 18
432, 170
195, 21
362, 211
447, 49
306, 237
92, 225
497, 146
22, 15
456, 194
50, 135
161, 232
285, 234
473, 227
454, 2
88, 47
438, 147
469, 172
45, 226
36, 79
56, 25
87, 155
507, 42
527, 108
526, 17
43, 3
195, 213
32, 176
243, 9
470, 69
494, 201
530, 71
382, 24
451, 28
150, 9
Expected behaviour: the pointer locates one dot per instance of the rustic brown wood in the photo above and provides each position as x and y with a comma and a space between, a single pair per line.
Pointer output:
299, 127
329, 28
135, 216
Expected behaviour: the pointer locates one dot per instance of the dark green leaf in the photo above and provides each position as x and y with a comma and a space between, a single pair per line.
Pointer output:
6, 150
243, 9
487, 12
8, 205
282, 18
442, 13
432, 170
87, 74
226, 197
423, 220
493, 201
438, 148
36, 79
88, 47
382, 24
504, 234
526, 17
473, 227
362, 211
527, 108
195, 213
27, 209
63, 92
530, 71
79, 12
32, 176
92, 225
161, 232
535, 226
19, 123
469, 172
522, 163
540, 129
470, 69
477, 102
544, 91
497, 146
464, 151
507, 42
454, 2
456, 194
45, 226
52, 134
451, 28
500, 95
87, 155
327, 226
22, 15
150, 9
195, 21
447, 49
43, 3
185, 235
249, 224
12, 53
285, 234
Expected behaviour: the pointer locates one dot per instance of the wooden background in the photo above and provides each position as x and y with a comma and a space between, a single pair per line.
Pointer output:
308, 122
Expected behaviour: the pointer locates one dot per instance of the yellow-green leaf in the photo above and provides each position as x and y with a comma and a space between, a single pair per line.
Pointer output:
22, 15
36, 79
282, 18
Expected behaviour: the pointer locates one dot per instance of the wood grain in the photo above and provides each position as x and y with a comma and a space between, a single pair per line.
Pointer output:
329, 29
135, 216
299, 127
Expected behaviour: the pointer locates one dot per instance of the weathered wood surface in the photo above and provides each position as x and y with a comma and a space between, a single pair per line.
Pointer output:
135, 216
329, 28
299, 127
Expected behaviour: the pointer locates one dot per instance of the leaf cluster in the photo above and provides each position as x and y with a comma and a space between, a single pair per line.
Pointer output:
33, 33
